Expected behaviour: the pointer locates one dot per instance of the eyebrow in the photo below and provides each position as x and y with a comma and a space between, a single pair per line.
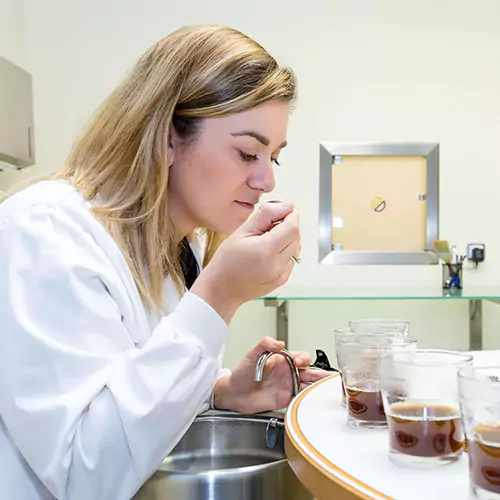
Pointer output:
263, 140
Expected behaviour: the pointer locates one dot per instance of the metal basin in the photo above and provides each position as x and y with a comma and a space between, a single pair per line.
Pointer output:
226, 456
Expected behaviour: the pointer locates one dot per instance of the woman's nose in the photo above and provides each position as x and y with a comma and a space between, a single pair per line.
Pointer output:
262, 178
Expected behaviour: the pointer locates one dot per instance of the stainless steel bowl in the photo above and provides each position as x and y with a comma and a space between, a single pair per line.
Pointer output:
227, 456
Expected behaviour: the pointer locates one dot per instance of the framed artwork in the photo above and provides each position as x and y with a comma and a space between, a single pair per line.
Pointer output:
378, 203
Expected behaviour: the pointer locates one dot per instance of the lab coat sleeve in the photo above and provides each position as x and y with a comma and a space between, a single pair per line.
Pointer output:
223, 372
91, 413
198, 247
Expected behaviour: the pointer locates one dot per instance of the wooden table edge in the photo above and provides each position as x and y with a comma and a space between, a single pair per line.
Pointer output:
319, 481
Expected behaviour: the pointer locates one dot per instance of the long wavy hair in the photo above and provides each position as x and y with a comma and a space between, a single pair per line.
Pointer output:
122, 159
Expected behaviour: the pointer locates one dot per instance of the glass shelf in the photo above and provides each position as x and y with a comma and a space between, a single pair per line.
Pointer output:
382, 293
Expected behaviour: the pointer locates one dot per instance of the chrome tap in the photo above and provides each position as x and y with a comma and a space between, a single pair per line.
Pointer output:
259, 370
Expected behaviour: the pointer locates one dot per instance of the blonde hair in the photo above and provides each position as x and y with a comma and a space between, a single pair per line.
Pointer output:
122, 159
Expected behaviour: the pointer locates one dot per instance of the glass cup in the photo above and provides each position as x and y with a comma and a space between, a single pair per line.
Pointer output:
383, 324
338, 334
420, 395
359, 356
366, 328
479, 392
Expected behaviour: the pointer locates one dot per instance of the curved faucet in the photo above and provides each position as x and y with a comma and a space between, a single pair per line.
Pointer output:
259, 370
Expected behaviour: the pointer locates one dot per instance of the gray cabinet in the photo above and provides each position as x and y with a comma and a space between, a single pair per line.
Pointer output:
16, 116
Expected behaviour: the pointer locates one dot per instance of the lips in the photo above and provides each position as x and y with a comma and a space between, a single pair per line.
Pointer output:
250, 206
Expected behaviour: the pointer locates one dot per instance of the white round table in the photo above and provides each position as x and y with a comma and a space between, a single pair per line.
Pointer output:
336, 462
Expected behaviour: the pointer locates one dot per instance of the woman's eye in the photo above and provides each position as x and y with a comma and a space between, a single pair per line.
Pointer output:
248, 157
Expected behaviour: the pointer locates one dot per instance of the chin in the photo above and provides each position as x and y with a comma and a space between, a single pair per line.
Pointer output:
227, 226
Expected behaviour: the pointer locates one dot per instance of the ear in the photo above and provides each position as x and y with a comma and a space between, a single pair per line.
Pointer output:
172, 144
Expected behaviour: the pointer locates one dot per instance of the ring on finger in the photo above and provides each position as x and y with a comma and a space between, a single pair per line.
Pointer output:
295, 260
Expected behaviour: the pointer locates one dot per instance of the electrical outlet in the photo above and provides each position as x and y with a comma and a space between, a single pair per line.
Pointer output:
476, 252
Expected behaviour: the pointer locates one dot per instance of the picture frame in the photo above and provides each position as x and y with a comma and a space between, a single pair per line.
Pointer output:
403, 171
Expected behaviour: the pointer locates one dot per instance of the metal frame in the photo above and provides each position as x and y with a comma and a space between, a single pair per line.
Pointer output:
475, 321
475, 325
328, 150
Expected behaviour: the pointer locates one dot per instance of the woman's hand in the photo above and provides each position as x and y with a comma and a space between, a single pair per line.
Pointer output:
239, 392
253, 261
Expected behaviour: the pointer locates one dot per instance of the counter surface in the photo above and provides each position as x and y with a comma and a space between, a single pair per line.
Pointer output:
335, 461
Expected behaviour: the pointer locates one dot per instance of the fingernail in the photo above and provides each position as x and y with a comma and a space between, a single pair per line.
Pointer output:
299, 361
278, 344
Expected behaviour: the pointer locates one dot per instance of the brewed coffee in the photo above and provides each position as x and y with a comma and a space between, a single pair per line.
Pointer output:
425, 430
365, 405
484, 458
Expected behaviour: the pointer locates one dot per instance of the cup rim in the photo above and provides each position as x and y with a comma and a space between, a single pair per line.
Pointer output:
347, 331
389, 324
343, 329
460, 357
468, 373
376, 321
404, 340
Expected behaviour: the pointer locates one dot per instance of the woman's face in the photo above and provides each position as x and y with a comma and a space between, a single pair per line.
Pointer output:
216, 180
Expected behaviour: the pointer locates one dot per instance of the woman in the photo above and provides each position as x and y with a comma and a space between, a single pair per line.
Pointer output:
111, 336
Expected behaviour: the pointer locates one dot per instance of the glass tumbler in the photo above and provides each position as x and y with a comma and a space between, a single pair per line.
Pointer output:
365, 328
359, 356
479, 392
383, 324
420, 394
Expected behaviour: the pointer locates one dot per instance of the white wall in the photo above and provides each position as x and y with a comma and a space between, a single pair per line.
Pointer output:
11, 31
367, 71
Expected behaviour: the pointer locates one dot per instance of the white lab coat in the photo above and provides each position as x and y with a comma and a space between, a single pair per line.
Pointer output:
94, 391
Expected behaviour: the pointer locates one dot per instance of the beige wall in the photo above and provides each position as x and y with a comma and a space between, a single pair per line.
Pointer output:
368, 71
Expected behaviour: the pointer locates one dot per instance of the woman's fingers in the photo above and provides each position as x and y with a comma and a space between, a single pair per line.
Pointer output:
265, 218
309, 376
271, 344
292, 250
286, 265
265, 344
285, 234
301, 358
